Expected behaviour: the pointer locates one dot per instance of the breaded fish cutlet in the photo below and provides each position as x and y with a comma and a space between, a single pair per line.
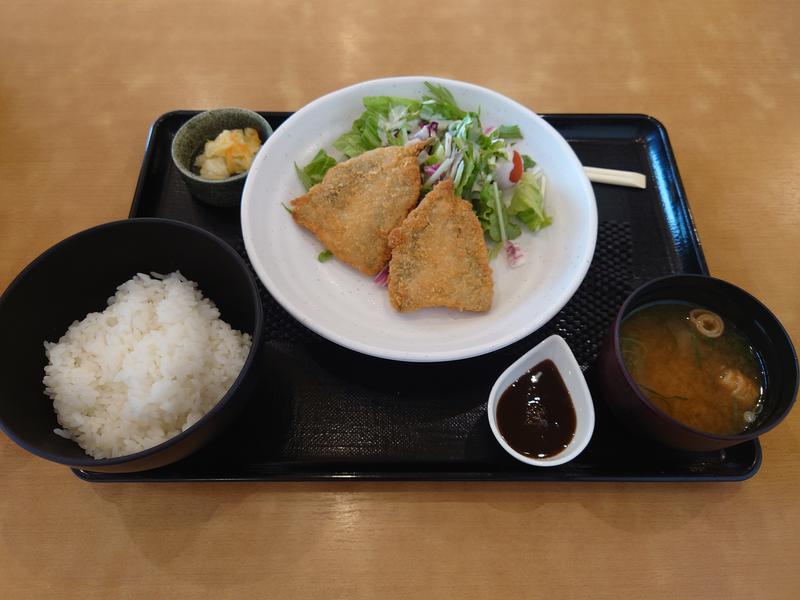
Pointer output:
358, 202
439, 257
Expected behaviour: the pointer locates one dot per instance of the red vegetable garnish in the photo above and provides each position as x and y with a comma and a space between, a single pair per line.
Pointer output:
516, 172
382, 278
514, 254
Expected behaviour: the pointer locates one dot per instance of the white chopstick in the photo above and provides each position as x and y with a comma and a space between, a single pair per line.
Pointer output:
614, 177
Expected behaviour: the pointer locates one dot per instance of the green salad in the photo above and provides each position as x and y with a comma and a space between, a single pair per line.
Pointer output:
506, 188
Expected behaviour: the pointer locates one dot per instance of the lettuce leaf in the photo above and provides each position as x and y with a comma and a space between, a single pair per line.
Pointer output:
486, 210
315, 171
508, 132
384, 104
351, 144
385, 121
527, 162
362, 136
440, 101
527, 203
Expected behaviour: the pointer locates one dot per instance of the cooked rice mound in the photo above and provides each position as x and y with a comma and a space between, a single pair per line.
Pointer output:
143, 370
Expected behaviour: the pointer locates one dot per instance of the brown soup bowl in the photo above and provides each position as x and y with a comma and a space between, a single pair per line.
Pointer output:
765, 333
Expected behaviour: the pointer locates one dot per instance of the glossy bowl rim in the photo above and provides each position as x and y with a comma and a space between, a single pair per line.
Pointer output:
204, 115
90, 462
617, 350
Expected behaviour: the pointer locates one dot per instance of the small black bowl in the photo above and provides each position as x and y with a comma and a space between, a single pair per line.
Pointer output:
77, 276
190, 140
751, 317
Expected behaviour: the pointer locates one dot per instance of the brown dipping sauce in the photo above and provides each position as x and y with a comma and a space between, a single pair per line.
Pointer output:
535, 414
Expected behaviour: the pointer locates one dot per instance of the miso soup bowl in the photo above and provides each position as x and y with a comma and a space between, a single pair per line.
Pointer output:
765, 333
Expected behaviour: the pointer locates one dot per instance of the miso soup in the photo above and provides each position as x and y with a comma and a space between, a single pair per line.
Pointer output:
694, 365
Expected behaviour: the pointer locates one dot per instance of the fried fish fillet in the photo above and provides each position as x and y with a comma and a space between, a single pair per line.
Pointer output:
439, 257
358, 202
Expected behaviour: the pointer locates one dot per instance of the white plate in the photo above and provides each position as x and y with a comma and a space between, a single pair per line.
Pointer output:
345, 306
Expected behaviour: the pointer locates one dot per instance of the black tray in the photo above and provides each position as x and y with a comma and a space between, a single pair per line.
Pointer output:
324, 412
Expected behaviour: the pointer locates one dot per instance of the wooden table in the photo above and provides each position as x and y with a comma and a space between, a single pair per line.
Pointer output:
80, 82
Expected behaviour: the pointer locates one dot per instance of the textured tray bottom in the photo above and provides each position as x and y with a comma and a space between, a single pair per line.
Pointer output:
322, 410
344, 404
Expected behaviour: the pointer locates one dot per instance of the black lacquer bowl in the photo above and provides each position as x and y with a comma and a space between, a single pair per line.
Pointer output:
751, 317
77, 276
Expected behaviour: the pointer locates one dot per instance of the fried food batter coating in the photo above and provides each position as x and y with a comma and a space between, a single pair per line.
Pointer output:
439, 257
356, 205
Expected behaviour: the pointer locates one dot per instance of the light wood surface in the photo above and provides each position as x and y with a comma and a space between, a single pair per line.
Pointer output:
80, 83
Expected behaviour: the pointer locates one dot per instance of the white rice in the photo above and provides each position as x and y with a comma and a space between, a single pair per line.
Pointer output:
143, 370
